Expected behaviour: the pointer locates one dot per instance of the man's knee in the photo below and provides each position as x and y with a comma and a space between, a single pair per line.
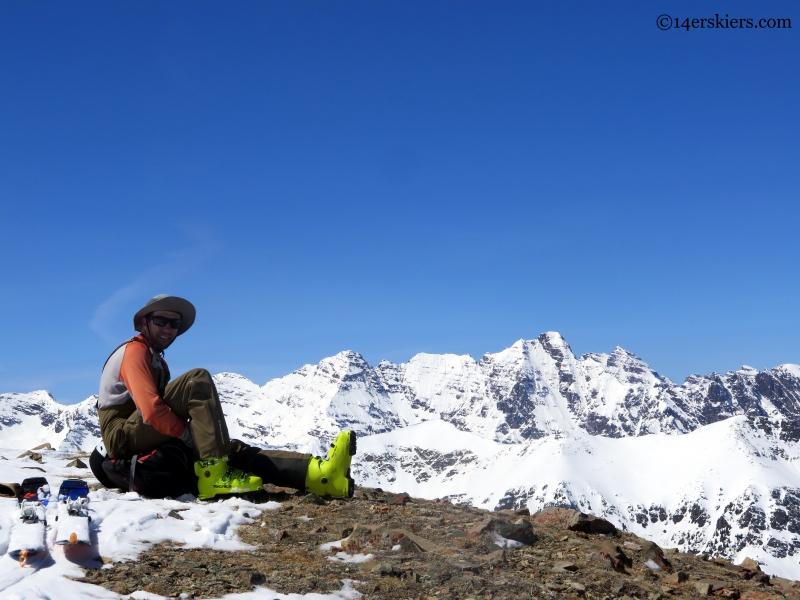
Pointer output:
198, 375
201, 390
201, 386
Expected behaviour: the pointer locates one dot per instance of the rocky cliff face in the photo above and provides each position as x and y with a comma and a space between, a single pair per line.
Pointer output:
773, 393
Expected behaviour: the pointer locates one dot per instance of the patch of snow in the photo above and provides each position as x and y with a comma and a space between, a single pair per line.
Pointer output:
351, 558
504, 543
327, 546
652, 565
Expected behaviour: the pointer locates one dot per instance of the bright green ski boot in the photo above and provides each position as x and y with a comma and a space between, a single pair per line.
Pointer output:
331, 477
214, 476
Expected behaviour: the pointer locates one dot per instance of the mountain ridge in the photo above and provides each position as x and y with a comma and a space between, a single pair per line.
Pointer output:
459, 425
531, 389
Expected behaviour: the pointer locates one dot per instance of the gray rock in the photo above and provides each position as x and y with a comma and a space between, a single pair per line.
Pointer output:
78, 464
632, 546
519, 532
574, 520
608, 550
703, 588
725, 563
652, 552
496, 558
465, 565
578, 587
387, 570
399, 499
32, 455
710, 585
749, 564
676, 578
787, 585
481, 527
279, 534
561, 567
312, 498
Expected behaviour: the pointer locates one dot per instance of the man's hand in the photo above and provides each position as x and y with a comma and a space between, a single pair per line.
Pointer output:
187, 437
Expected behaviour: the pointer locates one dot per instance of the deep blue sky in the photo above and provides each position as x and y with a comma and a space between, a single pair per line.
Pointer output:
394, 178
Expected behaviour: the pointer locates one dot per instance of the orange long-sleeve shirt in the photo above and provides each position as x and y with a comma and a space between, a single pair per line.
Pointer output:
135, 372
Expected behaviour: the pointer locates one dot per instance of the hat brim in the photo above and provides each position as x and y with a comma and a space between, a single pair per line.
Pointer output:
171, 303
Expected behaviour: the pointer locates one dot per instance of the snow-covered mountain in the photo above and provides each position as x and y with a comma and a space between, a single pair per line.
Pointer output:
27, 420
709, 465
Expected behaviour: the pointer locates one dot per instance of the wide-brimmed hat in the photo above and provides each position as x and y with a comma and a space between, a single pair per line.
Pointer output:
167, 302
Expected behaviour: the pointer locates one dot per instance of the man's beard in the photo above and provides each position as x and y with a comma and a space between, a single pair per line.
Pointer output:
157, 344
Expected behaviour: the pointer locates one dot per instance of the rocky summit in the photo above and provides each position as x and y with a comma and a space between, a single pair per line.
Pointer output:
390, 545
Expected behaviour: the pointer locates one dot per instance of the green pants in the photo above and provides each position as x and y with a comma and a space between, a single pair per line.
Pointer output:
278, 467
193, 396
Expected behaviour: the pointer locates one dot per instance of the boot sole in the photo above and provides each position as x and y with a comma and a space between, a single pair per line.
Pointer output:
353, 445
241, 492
351, 484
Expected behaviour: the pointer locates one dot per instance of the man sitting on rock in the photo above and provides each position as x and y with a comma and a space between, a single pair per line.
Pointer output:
159, 428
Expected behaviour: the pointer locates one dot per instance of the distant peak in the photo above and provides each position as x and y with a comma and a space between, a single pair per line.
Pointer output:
230, 375
346, 359
790, 368
553, 341
350, 356
553, 337
621, 350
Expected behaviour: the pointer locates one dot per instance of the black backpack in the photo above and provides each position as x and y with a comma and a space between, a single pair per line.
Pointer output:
166, 471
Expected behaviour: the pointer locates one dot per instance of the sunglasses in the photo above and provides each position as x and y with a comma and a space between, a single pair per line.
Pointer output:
164, 321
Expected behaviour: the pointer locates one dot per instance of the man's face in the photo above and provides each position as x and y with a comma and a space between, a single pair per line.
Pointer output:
161, 336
